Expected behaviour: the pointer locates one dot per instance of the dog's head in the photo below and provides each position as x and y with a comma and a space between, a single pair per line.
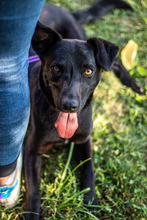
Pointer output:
71, 70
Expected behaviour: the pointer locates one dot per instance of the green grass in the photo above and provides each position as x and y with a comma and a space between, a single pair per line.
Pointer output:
119, 136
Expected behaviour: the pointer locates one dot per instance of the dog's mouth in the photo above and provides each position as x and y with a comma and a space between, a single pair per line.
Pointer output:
66, 124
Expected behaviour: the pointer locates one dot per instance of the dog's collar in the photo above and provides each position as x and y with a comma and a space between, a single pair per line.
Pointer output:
33, 59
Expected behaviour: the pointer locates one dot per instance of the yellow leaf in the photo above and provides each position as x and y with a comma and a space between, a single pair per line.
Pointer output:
128, 54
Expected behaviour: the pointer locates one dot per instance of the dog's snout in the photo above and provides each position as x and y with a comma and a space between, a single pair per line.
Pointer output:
69, 105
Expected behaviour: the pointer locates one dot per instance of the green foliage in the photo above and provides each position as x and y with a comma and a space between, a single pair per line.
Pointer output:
119, 136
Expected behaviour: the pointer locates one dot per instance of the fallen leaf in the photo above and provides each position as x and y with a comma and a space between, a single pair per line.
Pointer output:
128, 54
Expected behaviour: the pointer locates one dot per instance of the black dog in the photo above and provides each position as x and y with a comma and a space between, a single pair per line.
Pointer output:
62, 85
61, 93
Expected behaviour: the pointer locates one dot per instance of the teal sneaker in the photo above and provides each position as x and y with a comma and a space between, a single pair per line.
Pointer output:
9, 193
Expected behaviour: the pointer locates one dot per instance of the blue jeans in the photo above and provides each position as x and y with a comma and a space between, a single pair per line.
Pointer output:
18, 19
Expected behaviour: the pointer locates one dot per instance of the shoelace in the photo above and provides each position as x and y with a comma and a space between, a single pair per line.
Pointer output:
5, 191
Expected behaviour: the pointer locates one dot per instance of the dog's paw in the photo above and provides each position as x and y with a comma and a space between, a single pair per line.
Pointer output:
125, 77
31, 216
91, 202
137, 87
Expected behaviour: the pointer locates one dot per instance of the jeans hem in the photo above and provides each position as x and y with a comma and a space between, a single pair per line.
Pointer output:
6, 170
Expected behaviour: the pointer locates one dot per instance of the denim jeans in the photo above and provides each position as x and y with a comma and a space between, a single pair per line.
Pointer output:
18, 19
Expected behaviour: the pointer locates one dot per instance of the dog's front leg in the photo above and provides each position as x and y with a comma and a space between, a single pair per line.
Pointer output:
32, 164
82, 152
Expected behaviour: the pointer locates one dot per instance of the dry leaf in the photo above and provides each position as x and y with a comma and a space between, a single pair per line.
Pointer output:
128, 54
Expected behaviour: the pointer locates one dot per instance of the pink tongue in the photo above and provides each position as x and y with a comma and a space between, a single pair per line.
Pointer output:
66, 124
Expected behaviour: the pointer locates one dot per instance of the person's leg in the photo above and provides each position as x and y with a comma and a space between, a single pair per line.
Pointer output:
17, 23
3, 180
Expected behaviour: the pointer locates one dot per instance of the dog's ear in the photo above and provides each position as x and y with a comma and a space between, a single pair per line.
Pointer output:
105, 52
43, 38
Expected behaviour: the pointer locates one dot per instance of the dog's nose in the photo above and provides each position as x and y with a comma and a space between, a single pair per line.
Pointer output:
70, 105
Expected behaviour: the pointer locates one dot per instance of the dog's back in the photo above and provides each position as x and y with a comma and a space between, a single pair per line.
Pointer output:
62, 21
69, 24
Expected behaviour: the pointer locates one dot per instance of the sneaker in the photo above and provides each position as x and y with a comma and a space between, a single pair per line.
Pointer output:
9, 193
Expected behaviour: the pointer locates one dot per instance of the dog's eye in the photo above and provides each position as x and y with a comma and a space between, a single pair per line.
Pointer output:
88, 72
56, 69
